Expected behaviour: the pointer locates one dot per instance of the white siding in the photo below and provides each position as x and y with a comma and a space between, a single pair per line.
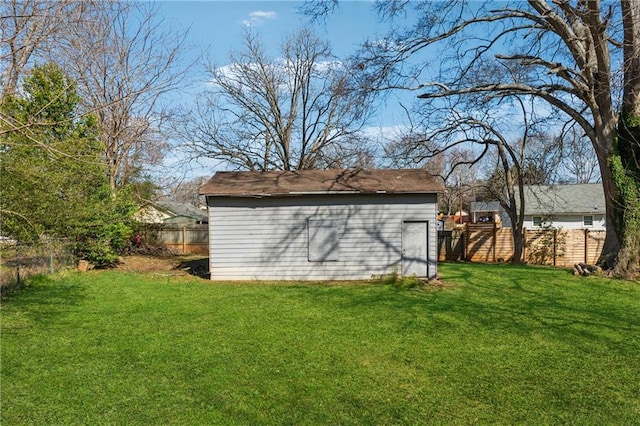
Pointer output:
267, 238
573, 221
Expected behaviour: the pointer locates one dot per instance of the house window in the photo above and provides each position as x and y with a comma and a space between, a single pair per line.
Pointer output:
587, 221
323, 240
537, 221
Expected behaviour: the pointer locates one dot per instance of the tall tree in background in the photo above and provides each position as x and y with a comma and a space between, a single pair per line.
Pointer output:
125, 60
53, 176
563, 53
28, 29
452, 165
579, 160
484, 149
300, 110
491, 143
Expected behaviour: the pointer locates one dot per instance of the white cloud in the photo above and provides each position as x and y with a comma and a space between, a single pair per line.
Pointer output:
279, 66
258, 17
385, 133
328, 66
263, 14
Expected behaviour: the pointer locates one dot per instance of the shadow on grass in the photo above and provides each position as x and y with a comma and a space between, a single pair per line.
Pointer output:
534, 300
44, 298
517, 300
196, 267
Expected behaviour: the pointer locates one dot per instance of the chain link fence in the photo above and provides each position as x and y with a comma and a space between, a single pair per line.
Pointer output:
19, 261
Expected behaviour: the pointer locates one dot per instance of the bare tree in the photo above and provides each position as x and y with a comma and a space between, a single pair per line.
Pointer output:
460, 179
579, 160
28, 28
186, 191
491, 145
300, 110
122, 58
416, 150
411, 150
542, 158
565, 54
125, 61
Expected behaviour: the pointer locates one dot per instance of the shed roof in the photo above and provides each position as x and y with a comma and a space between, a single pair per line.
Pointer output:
256, 184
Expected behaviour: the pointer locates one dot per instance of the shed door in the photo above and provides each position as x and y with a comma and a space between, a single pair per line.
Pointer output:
414, 249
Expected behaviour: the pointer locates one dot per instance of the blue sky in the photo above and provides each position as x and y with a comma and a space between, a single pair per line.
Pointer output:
217, 26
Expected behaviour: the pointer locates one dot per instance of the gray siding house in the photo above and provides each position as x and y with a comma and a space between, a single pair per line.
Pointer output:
321, 224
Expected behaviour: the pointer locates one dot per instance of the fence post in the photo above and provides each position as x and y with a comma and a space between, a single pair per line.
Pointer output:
184, 239
51, 266
555, 245
17, 265
586, 246
495, 241
465, 232
524, 244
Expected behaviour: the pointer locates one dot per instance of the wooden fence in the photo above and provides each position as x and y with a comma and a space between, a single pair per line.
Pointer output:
180, 239
451, 245
473, 242
488, 243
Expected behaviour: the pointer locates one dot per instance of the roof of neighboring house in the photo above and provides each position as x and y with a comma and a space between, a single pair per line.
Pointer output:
482, 206
564, 199
252, 184
182, 209
173, 209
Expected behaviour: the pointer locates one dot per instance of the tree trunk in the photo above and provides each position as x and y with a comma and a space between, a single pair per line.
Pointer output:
626, 205
516, 214
518, 245
624, 161
612, 242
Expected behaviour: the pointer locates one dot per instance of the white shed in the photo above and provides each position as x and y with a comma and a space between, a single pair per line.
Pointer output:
321, 224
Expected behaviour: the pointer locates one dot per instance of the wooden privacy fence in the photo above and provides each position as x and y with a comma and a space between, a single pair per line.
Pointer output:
488, 243
180, 239
451, 245
473, 242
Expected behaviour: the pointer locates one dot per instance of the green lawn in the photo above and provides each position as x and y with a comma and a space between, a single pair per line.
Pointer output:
496, 345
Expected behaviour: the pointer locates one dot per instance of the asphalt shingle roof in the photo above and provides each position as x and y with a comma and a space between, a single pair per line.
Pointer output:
182, 209
247, 184
564, 199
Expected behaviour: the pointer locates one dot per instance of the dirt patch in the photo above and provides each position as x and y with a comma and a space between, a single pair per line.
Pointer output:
176, 265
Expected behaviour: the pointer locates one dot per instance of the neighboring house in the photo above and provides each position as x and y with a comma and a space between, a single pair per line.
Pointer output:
321, 224
489, 212
171, 212
579, 206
